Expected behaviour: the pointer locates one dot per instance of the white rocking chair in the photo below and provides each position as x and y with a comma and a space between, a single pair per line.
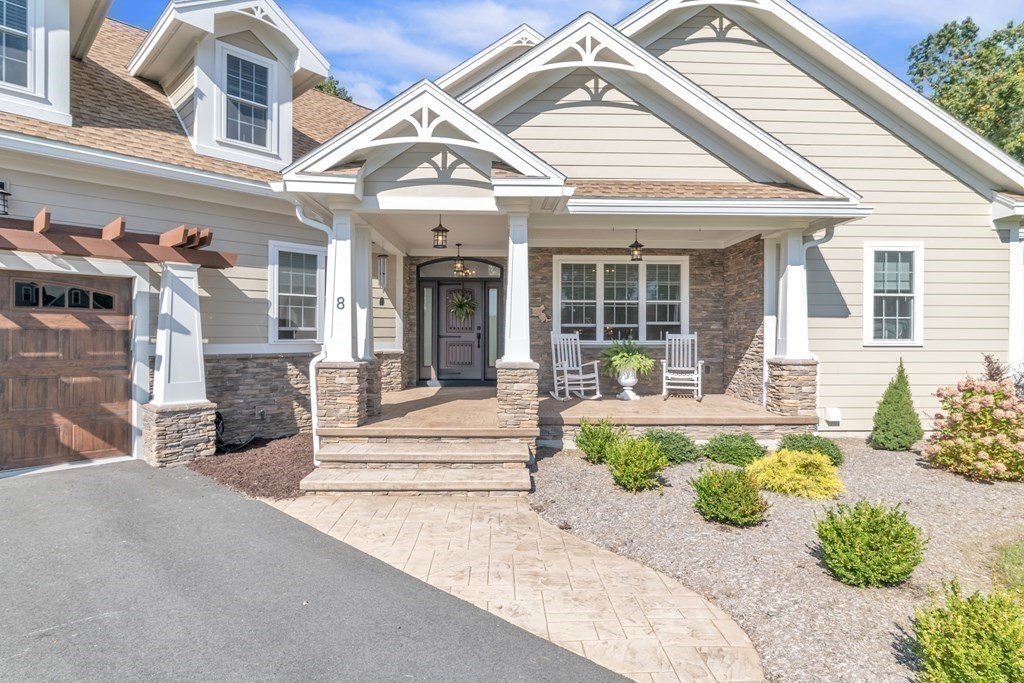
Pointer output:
570, 376
681, 371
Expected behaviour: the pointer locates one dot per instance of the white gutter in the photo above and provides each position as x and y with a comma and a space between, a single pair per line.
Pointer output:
317, 359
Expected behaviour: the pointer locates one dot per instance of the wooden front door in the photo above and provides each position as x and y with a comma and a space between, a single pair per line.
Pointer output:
460, 338
65, 368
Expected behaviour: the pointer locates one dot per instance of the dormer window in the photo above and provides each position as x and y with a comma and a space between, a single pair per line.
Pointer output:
14, 42
248, 102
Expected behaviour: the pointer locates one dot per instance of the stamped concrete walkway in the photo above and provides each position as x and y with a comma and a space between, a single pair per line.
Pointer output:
501, 556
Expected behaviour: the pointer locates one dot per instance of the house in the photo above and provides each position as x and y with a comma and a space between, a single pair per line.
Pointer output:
190, 227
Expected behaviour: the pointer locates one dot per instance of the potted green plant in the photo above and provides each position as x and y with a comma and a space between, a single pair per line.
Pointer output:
463, 305
627, 361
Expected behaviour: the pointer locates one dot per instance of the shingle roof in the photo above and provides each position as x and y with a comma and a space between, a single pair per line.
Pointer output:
681, 189
115, 112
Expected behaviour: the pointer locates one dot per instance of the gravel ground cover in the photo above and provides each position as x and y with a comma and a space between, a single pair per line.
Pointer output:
808, 627
265, 469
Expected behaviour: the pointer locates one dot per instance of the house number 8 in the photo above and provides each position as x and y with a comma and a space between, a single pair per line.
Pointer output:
341, 303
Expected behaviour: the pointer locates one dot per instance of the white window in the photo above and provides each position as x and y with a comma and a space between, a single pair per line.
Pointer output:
14, 42
894, 294
297, 289
613, 298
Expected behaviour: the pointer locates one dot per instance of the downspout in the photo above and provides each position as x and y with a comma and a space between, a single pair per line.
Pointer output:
300, 214
830, 232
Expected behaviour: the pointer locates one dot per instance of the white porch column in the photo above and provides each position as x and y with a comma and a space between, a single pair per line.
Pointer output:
771, 306
517, 292
363, 293
793, 337
339, 327
179, 377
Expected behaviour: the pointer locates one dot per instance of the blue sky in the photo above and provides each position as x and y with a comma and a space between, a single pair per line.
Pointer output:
377, 49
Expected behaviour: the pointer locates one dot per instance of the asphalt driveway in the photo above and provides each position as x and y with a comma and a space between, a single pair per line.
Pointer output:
122, 572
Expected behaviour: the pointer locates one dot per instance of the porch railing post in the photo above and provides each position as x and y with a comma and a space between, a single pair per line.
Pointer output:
517, 292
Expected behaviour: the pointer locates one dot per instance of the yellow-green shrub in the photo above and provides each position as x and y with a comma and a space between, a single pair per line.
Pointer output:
597, 440
794, 473
636, 463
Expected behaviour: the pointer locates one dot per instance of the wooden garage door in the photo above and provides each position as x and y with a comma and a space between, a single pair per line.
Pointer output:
65, 368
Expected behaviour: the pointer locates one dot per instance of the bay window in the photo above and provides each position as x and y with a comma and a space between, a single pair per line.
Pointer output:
611, 299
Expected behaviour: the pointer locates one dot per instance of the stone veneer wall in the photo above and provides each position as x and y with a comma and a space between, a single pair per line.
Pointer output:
276, 384
707, 315
177, 434
744, 320
392, 373
342, 393
518, 398
792, 387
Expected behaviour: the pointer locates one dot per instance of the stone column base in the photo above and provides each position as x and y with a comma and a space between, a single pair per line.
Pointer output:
389, 364
373, 388
792, 387
178, 434
518, 395
342, 394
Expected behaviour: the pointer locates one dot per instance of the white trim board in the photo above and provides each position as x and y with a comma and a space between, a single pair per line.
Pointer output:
1016, 357
139, 274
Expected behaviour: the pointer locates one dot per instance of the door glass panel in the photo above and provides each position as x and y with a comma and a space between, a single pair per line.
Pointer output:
26, 294
78, 298
492, 326
427, 323
102, 302
54, 296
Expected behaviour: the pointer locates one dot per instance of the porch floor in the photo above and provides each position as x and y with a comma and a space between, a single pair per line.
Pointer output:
476, 408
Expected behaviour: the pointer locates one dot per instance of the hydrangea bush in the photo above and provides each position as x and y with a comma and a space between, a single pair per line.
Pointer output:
980, 434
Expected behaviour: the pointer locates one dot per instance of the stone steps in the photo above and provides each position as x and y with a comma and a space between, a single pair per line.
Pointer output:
433, 481
503, 453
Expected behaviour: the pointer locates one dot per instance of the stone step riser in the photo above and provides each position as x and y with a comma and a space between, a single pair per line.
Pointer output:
483, 441
447, 494
484, 467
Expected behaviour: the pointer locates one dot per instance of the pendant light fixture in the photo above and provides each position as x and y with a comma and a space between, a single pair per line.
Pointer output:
440, 235
460, 265
636, 250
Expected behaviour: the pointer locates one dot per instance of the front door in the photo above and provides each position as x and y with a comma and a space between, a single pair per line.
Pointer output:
460, 333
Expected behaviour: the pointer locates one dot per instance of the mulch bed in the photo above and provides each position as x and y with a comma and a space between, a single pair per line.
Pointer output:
264, 469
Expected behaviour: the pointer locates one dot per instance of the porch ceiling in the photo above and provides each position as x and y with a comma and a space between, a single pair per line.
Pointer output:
487, 234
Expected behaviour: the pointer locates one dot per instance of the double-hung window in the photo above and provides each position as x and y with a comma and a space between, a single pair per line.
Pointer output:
611, 299
894, 294
14, 42
297, 288
247, 110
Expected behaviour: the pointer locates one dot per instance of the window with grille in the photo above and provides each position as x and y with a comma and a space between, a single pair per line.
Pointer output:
894, 282
14, 42
610, 300
248, 102
297, 274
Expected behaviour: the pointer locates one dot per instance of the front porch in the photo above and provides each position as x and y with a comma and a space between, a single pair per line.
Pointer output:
452, 413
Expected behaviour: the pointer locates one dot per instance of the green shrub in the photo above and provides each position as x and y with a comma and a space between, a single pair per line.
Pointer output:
597, 440
730, 497
971, 639
734, 449
980, 434
808, 475
636, 463
897, 426
870, 545
812, 443
678, 448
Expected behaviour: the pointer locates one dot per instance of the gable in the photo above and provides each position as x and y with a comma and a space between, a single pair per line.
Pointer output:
587, 127
729, 61
428, 170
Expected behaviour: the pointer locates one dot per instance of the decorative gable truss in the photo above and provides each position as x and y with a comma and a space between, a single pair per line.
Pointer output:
590, 43
489, 60
422, 115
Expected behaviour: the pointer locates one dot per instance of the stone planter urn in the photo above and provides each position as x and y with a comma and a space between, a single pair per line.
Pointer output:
628, 380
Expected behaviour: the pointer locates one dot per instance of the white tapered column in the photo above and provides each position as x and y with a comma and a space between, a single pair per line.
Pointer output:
179, 377
363, 293
517, 292
339, 321
793, 337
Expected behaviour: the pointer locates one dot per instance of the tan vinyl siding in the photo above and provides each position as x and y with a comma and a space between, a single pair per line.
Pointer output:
385, 323
428, 169
586, 128
235, 303
966, 263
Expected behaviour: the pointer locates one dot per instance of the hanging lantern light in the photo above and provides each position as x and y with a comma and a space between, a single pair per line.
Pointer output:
440, 235
460, 265
636, 250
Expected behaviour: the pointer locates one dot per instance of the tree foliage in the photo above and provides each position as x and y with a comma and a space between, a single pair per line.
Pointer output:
897, 426
331, 86
980, 80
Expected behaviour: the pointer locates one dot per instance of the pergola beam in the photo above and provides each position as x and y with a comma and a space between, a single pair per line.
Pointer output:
41, 223
115, 229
